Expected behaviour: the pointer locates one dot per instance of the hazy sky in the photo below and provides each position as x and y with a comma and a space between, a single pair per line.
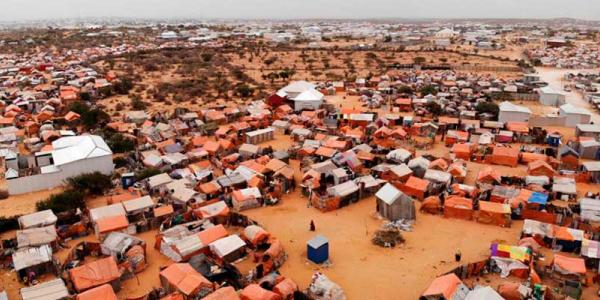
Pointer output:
11, 10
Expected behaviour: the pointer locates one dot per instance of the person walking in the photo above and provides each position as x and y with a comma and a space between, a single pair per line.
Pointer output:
312, 225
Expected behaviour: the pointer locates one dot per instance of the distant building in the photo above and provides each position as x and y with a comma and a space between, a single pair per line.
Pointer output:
574, 115
510, 112
548, 96
71, 156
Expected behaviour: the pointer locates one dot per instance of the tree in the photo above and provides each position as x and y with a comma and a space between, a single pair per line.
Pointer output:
91, 183
137, 103
428, 89
65, 201
434, 108
244, 90
146, 173
123, 85
405, 89
488, 107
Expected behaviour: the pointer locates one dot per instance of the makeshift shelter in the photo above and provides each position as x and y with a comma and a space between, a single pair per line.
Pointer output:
260, 135
255, 234
96, 273
255, 292
104, 292
286, 288
393, 204
35, 237
51, 290
446, 287
416, 187
37, 259
505, 156
462, 151
458, 207
322, 288
589, 149
494, 213
489, 176
593, 169
229, 249
540, 168
38, 219
590, 209
224, 293
571, 267
431, 205
181, 277
318, 249
484, 293
246, 198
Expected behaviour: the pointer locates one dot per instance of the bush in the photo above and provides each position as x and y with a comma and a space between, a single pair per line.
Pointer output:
145, 173
488, 107
120, 162
90, 183
65, 201
3, 194
9, 223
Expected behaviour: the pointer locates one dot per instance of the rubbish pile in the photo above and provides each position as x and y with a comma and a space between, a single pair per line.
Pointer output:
402, 225
387, 238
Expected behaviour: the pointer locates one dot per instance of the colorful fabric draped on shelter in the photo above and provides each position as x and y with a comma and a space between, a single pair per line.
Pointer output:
522, 254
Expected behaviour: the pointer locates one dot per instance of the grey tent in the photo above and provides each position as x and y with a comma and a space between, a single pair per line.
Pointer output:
393, 204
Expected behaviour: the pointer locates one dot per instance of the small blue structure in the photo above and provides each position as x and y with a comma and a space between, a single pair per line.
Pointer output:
318, 249
127, 180
553, 139
538, 198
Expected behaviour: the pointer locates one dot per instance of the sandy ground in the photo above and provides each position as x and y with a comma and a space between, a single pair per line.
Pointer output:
25, 203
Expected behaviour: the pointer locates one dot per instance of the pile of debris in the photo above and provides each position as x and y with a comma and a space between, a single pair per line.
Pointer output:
402, 224
387, 238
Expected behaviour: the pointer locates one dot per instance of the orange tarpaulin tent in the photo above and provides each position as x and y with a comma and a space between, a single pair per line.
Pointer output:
183, 278
415, 187
540, 168
458, 207
104, 292
443, 287
462, 151
569, 265
94, 274
489, 175
505, 156
527, 157
224, 293
494, 213
255, 292
286, 288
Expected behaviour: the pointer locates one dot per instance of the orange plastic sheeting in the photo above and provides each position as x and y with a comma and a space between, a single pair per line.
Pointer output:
212, 234
505, 156
224, 293
494, 213
255, 292
488, 175
431, 205
104, 292
415, 187
286, 288
540, 168
527, 157
462, 151
94, 274
574, 265
112, 223
458, 207
443, 286
183, 277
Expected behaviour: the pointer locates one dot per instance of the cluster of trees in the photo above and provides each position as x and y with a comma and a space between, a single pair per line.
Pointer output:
77, 188
90, 117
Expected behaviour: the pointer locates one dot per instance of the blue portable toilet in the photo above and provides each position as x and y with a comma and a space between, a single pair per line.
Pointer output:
127, 180
318, 249
554, 139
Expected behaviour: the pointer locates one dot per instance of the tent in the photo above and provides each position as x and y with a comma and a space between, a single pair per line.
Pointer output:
104, 292
484, 293
255, 234
229, 249
505, 156
183, 278
95, 273
590, 209
393, 204
431, 205
51, 290
567, 265
458, 207
286, 288
494, 213
489, 175
446, 287
540, 168
224, 293
416, 187
255, 292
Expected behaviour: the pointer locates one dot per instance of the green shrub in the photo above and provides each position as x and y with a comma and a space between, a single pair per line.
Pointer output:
90, 183
9, 223
65, 201
145, 173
